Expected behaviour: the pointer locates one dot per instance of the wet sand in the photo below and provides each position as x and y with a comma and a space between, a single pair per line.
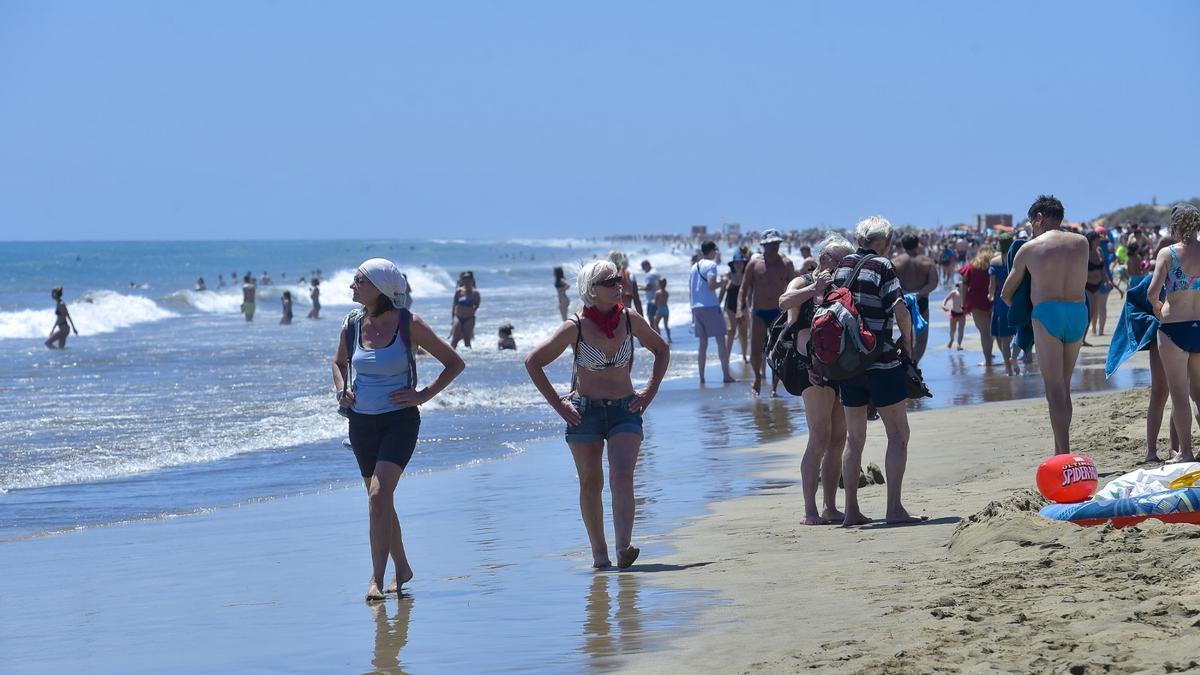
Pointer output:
985, 584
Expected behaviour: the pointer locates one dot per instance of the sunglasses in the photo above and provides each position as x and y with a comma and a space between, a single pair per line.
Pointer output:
360, 279
610, 282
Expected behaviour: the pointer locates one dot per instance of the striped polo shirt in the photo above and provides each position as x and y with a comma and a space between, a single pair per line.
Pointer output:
876, 290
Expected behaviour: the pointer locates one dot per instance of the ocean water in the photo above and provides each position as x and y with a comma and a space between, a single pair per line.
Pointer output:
168, 402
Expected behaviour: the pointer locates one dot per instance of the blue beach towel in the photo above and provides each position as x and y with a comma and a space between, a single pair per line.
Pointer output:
920, 325
1020, 312
1136, 329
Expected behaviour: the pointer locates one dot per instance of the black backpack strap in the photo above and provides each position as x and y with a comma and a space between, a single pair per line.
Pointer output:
350, 338
858, 268
404, 329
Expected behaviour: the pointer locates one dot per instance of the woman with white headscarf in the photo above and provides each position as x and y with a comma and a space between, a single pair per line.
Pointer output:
374, 373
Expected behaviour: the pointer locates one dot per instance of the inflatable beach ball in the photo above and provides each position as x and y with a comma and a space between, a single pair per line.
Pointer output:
1067, 478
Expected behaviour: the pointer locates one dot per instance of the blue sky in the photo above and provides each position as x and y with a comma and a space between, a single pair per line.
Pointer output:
180, 120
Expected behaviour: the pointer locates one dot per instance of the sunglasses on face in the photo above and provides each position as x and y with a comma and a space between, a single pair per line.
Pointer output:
360, 279
610, 282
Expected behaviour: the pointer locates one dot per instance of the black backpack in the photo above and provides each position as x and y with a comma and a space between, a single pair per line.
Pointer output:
781, 354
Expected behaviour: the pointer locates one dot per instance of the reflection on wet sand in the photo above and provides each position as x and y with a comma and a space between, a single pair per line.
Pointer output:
601, 642
391, 634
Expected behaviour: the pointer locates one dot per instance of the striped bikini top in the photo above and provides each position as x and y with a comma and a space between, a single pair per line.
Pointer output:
592, 358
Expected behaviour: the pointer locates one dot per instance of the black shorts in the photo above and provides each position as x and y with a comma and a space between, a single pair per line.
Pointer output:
881, 387
390, 437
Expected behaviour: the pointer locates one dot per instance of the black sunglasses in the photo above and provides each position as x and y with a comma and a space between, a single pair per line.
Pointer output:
609, 282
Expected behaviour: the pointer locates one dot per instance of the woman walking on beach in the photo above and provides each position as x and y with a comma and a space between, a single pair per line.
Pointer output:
1001, 330
462, 309
1096, 277
63, 325
737, 320
1177, 280
976, 282
374, 372
823, 410
603, 406
560, 286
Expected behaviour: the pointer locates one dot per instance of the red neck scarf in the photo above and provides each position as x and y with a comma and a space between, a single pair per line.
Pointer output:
606, 321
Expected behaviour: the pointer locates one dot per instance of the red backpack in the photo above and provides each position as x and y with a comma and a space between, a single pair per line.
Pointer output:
842, 345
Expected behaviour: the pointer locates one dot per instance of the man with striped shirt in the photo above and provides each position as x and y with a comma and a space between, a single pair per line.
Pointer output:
880, 301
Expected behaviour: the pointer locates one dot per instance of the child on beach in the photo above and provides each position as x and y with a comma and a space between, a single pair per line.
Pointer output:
663, 314
506, 340
957, 318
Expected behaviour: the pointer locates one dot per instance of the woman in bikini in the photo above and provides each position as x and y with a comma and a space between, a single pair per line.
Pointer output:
604, 407
1095, 280
462, 310
739, 325
822, 408
1174, 293
560, 286
63, 325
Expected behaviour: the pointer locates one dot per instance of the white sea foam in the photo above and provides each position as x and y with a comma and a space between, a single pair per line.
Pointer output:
427, 282
95, 312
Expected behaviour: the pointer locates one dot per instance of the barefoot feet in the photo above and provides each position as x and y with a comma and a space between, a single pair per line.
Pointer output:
373, 592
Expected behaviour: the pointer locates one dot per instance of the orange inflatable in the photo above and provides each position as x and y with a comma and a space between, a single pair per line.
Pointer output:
1067, 479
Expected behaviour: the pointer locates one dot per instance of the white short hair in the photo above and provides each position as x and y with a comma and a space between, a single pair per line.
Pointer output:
871, 228
836, 246
589, 275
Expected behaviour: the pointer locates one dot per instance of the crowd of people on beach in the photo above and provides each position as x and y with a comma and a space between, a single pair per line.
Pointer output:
844, 326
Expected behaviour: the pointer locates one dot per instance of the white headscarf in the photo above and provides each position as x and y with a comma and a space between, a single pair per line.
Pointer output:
388, 278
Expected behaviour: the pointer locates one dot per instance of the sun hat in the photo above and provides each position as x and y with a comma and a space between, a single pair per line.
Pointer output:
770, 236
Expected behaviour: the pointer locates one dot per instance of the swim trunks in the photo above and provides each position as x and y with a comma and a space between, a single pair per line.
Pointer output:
879, 388
768, 316
1066, 321
651, 310
709, 322
248, 309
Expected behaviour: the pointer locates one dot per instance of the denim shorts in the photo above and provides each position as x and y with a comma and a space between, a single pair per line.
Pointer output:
603, 418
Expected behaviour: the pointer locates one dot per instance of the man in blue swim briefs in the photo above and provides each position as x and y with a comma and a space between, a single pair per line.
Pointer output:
766, 278
1057, 264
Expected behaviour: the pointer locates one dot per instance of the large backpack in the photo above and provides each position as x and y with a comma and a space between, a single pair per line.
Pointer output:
350, 330
783, 357
842, 345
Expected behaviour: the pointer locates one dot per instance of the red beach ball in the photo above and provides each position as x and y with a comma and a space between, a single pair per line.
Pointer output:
1067, 479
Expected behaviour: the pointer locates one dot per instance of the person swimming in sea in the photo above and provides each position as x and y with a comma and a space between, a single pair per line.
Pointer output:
63, 325
505, 338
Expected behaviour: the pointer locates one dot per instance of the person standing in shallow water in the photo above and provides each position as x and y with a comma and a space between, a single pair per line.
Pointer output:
314, 296
560, 286
63, 325
1056, 262
767, 277
286, 301
462, 310
603, 408
249, 292
377, 390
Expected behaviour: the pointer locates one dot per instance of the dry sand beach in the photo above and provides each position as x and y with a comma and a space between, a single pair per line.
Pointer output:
985, 584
